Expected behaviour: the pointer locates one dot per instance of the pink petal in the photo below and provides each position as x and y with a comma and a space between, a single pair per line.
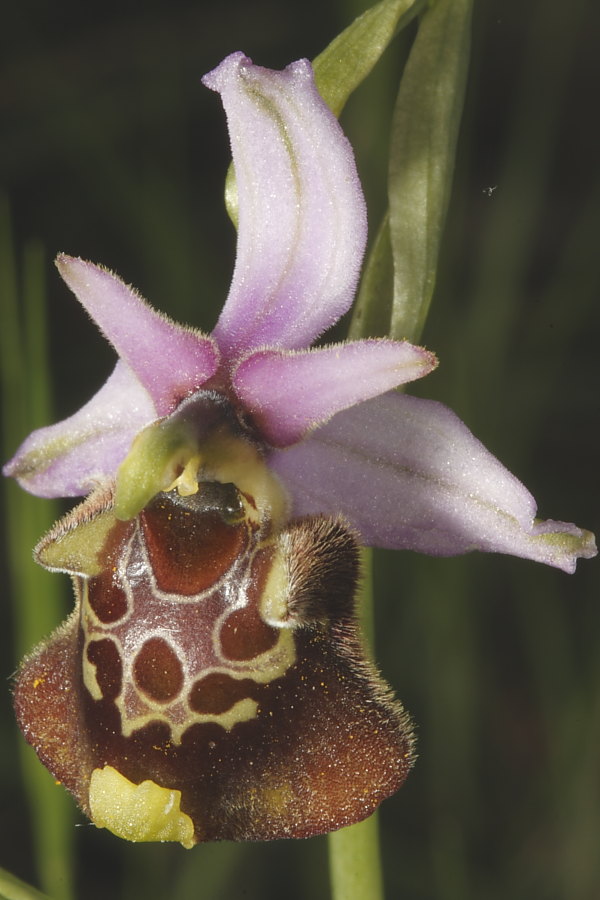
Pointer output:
289, 393
72, 457
302, 220
170, 360
408, 474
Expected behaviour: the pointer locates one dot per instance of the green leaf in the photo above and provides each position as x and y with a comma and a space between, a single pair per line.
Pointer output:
12, 888
372, 310
423, 147
349, 58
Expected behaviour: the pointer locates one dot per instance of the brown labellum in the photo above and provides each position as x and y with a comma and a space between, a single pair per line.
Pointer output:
212, 656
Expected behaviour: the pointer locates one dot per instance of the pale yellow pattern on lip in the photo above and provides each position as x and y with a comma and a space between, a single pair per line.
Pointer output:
242, 711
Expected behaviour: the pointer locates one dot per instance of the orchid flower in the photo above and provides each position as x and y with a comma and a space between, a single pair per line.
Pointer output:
406, 473
231, 478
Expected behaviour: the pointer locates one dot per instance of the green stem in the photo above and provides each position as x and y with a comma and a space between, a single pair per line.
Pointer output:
354, 856
355, 862
425, 128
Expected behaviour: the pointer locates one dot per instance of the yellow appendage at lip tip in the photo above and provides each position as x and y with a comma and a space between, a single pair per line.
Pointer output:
138, 812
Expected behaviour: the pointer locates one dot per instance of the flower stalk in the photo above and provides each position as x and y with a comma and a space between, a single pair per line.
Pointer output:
355, 866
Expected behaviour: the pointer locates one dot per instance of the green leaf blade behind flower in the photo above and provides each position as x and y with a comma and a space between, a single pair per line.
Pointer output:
372, 309
351, 56
423, 146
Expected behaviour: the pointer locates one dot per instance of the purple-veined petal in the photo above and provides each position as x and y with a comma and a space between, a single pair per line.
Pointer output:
302, 219
289, 393
170, 360
408, 474
72, 457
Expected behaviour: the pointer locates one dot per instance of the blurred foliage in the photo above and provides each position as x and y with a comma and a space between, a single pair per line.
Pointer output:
112, 150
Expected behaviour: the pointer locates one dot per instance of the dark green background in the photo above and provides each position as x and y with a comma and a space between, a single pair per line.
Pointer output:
110, 148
